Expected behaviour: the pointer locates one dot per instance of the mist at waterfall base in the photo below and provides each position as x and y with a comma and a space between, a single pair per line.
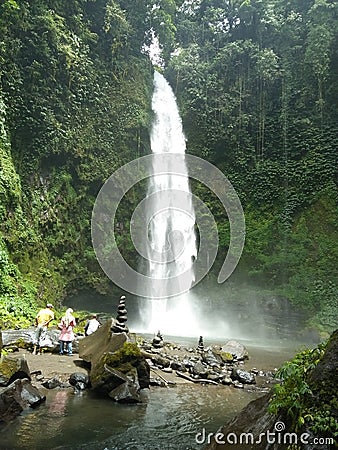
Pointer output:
232, 310
219, 312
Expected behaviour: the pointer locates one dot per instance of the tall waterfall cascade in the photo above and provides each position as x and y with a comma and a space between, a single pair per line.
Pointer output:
171, 228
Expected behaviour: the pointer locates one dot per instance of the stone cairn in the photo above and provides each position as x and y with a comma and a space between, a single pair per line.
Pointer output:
200, 347
158, 340
121, 319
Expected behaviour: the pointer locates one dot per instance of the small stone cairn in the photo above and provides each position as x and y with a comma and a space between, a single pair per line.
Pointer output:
158, 340
200, 347
121, 319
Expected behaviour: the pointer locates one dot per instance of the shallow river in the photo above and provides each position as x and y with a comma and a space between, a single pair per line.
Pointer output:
170, 418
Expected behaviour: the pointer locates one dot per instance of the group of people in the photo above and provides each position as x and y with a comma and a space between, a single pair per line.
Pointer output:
66, 327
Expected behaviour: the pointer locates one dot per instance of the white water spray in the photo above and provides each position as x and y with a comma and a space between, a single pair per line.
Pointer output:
171, 230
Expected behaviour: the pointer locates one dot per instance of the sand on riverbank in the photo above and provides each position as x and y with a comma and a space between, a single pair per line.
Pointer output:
62, 366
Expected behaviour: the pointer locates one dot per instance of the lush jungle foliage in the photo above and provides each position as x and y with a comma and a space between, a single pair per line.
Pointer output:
257, 86
309, 403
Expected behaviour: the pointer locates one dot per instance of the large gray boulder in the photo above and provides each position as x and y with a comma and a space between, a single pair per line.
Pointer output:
115, 362
92, 347
120, 387
25, 337
243, 376
236, 349
16, 397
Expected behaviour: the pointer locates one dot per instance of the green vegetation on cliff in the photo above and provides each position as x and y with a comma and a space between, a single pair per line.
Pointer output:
75, 105
257, 88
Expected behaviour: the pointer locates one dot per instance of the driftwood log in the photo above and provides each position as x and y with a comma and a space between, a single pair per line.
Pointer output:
194, 380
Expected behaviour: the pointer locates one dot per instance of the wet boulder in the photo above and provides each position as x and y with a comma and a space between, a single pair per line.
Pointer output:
143, 373
212, 359
200, 370
16, 397
53, 383
236, 349
112, 357
243, 376
125, 393
120, 387
128, 391
160, 360
177, 365
79, 380
92, 347
116, 368
104, 379
12, 369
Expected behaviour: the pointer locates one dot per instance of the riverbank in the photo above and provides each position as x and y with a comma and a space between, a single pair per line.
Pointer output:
261, 359
170, 417
50, 365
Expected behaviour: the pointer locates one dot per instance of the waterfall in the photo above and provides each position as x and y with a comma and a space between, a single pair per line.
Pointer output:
171, 228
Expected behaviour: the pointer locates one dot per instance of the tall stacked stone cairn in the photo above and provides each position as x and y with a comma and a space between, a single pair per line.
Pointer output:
158, 340
117, 367
200, 347
119, 325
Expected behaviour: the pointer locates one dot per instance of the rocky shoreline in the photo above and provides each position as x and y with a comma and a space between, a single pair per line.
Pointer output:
120, 364
102, 363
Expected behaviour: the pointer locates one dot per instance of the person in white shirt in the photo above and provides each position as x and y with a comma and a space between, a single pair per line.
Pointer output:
92, 325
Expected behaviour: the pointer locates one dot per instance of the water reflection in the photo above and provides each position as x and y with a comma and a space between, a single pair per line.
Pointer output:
169, 419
